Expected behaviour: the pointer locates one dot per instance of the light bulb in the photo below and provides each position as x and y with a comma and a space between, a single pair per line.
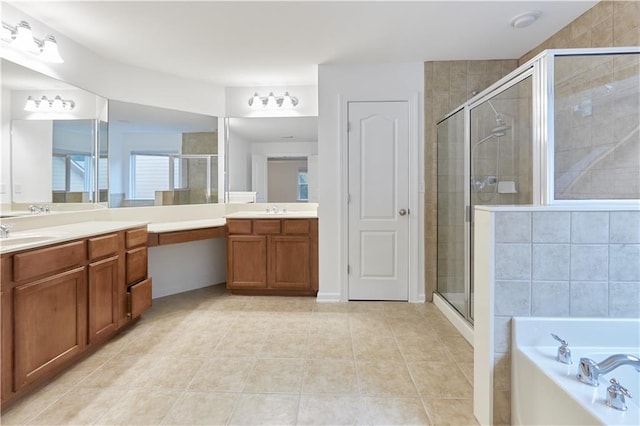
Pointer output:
57, 104
288, 101
31, 104
44, 104
23, 38
50, 50
271, 101
256, 102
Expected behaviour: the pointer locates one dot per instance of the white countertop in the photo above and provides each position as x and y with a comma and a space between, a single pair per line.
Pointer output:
185, 225
259, 214
57, 234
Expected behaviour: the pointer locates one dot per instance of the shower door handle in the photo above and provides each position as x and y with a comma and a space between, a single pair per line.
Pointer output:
402, 212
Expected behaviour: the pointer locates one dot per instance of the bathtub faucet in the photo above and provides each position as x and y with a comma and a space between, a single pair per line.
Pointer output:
589, 370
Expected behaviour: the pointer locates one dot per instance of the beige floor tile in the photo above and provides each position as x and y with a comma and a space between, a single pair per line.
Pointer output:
79, 406
119, 372
330, 377
329, 346
293, 323
339, 307
454, 412
202, 408
381, 378
140, 407
421, 327
376, 348
29, 407
420, 348
153, 342
241, 344
284, 346
330, 410
275, 375
194, 344
440, 379
467, 370
330, 323
459, 348
83, 369
261, 409
396, 411
222, 374
169, 373
367, 324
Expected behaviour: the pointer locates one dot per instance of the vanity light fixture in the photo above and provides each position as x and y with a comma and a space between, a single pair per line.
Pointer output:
45, 104
271, 101
22, 38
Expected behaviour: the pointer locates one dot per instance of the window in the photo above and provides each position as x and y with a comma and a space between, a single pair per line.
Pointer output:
303, 185
72, 172
150, 172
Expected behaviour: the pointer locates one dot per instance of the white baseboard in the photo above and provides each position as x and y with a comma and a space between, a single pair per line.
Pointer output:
454, 318
328, 297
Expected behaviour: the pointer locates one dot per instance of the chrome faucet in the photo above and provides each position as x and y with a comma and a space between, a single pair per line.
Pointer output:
4, 230
39, 209
589, 371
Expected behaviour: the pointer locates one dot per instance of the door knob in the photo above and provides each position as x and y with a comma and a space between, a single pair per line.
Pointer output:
402, 212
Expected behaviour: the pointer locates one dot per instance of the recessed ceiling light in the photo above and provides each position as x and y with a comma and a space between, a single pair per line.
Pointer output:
525, 19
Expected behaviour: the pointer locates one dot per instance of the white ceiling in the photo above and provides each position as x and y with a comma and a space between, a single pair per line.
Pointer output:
242, 43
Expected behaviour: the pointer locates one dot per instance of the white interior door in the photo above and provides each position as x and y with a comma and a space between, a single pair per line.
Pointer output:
378, 200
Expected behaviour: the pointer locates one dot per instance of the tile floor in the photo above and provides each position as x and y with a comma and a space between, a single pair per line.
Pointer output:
206, 357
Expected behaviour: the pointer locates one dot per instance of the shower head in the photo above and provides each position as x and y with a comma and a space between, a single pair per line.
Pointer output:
500, 130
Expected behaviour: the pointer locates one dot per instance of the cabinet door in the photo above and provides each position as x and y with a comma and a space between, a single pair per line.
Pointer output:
50, 320
103, 298
289, 262
247, 261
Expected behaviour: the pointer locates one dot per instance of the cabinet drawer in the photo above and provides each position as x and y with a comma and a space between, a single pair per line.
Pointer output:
139, 297
36, 263
136, 265
102, 246
136, 237
293, 226
239, 226
267, 226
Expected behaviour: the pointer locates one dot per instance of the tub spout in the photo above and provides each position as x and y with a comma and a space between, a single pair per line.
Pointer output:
589, 371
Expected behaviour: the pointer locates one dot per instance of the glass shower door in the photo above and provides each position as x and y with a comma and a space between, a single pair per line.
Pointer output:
451, 272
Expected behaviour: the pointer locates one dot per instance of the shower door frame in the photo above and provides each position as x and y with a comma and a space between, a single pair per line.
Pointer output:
535, 70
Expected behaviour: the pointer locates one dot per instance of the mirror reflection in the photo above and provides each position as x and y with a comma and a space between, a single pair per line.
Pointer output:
273, 159
51, 152
160, 157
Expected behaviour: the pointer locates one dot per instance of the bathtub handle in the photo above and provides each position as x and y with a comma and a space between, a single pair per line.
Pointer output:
615, 395
564, 353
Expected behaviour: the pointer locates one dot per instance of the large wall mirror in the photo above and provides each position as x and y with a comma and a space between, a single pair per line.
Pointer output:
161, 157
274, 159
56, 156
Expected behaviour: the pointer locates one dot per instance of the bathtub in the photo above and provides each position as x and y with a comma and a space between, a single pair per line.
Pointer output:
547, 392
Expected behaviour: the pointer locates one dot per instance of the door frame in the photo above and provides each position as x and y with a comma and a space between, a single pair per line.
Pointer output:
416, 192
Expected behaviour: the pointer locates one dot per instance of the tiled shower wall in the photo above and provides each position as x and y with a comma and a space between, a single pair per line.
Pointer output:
559, 264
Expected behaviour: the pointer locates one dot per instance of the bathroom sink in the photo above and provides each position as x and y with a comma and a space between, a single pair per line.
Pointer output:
29, 238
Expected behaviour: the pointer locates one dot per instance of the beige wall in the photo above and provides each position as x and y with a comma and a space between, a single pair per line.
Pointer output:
448, 84
283, 179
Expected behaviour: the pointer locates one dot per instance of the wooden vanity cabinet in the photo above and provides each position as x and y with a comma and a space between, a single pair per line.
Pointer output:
58, 301
272, 256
